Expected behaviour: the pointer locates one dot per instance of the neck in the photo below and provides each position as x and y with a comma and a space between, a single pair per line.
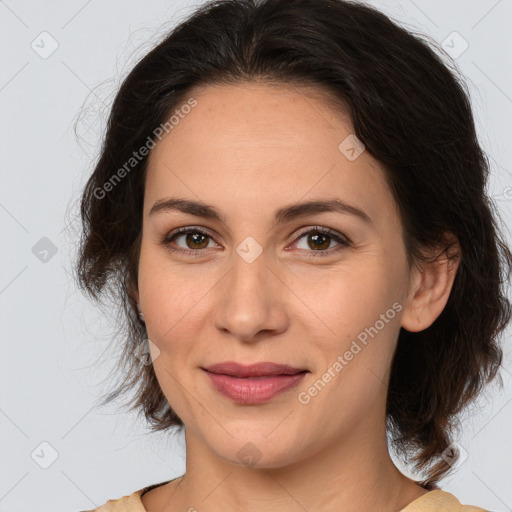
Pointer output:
353, 475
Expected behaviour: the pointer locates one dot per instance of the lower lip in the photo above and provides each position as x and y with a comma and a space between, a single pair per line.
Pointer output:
254, 390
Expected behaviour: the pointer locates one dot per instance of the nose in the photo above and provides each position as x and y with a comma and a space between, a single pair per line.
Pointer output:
251, 301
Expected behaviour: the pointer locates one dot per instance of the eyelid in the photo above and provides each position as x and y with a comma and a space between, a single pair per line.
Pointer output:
191, 228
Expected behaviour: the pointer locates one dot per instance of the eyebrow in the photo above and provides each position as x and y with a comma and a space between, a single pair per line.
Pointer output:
282, 215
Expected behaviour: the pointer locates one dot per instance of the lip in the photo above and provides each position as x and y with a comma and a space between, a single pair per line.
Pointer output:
254, 384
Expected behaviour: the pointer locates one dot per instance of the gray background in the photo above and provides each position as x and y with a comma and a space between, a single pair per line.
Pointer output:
56, 347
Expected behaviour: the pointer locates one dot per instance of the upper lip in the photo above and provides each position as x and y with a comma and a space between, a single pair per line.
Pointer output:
254, 370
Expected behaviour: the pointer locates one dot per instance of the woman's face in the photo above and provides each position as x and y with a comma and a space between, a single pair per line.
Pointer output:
260, 285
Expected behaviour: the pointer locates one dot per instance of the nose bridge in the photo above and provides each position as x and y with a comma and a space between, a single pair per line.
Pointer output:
250, 302
247, 275
247, 284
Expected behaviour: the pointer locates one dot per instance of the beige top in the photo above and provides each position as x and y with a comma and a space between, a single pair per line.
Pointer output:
435, 500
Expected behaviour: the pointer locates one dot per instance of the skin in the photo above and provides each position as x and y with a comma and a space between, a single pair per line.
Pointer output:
248, 150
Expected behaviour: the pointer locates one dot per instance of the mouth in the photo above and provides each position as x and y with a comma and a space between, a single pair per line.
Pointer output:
254, 384
263, 369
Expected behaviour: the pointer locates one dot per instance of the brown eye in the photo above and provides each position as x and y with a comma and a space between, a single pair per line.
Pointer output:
320, 240
195, 240
189, 241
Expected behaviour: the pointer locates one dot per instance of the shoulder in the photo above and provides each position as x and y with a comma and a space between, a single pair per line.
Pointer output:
128, 503
440, 500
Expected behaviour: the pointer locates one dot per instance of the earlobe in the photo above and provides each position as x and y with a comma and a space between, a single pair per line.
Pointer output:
139, 309
133, 293
431, 290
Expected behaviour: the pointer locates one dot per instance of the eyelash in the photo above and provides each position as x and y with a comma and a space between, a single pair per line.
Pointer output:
343, 241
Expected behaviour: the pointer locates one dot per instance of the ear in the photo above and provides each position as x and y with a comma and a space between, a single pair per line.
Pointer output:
431, 285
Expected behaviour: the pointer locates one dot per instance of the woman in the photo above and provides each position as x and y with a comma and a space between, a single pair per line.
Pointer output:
290, 206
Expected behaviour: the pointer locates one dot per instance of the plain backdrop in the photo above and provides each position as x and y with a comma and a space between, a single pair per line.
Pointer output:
59, 452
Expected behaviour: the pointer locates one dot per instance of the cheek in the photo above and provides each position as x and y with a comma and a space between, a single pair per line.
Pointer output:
170, 294
341, 303
357, 357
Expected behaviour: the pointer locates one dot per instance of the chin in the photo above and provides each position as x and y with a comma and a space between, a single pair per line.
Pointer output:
259, 452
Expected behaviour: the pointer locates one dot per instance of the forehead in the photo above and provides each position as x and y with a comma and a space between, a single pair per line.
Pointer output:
248, 142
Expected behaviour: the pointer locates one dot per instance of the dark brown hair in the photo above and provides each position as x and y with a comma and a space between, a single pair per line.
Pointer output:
412, 112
